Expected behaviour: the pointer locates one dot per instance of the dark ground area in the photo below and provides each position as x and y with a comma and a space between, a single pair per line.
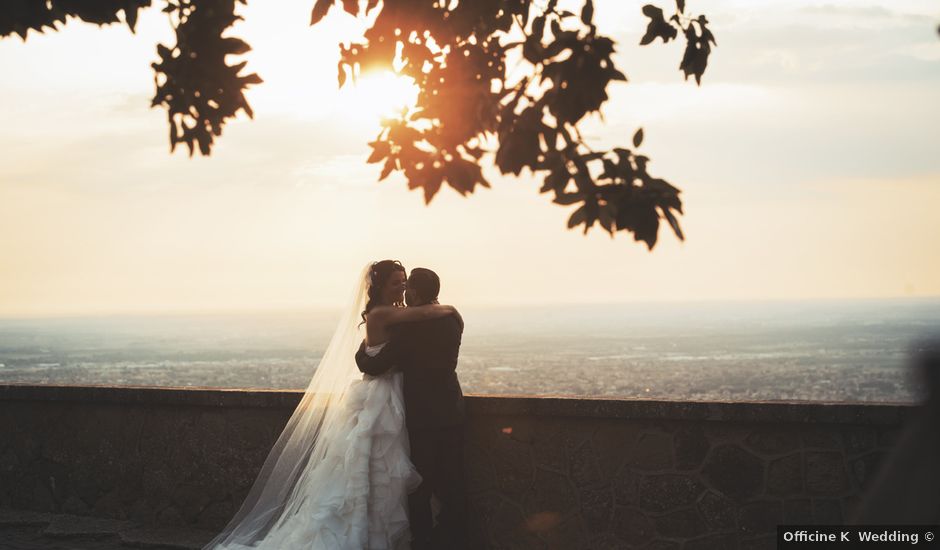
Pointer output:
26, 530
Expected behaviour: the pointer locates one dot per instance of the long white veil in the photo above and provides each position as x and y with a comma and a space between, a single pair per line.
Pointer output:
309, 432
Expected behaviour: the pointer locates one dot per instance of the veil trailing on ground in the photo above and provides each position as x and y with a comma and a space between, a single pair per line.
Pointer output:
313, 427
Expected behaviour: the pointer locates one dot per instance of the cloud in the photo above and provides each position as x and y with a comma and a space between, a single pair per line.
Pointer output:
855, 14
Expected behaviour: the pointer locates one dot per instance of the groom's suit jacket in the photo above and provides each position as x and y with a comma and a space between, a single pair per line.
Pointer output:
426, 352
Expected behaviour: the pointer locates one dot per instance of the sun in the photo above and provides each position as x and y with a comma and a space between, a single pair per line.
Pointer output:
376, 95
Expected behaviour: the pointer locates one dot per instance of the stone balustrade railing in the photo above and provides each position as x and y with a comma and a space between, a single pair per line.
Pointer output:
543, 472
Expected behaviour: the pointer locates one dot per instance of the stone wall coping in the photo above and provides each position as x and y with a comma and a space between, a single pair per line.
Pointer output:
495, 405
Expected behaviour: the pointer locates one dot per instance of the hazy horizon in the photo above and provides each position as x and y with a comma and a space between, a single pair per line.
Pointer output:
818, 350
335, 309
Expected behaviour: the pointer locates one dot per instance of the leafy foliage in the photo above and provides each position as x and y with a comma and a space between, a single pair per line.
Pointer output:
199, 90
458, 56
507, 78
22, 16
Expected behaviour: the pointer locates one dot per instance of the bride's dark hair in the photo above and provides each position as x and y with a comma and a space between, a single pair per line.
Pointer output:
378, 277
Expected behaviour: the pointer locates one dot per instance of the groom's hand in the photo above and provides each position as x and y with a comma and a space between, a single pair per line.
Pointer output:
376, 365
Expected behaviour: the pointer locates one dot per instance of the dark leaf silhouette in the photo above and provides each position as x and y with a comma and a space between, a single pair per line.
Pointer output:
380, 150
697, 50
658, 27
320, 9
22, 16
471, 106
194, 83
587, 12
577, 218
673, 222
387, 169
568, 198
351, 7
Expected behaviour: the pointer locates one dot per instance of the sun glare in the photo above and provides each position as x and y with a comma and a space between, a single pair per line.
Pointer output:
377, 95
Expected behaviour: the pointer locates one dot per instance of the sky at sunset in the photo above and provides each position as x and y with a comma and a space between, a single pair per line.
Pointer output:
808, 162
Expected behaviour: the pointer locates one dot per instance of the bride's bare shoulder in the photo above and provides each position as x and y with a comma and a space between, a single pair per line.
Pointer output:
378, 313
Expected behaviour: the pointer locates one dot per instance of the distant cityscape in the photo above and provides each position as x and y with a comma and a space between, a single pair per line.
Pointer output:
819, 351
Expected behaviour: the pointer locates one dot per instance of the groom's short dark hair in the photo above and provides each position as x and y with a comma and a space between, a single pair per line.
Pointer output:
426, 283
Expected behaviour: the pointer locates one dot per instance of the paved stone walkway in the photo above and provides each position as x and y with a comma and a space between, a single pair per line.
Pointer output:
26, 530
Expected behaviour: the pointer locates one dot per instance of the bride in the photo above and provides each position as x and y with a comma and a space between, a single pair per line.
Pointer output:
339, 475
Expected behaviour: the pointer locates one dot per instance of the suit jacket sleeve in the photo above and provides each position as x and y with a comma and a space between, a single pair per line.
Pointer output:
381, 363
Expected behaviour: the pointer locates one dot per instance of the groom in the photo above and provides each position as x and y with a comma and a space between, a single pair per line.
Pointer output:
426, 352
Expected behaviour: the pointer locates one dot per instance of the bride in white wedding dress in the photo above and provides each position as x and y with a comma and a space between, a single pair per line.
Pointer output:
339, 475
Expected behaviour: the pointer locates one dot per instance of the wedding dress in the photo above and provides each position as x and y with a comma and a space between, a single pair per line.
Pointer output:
339, 475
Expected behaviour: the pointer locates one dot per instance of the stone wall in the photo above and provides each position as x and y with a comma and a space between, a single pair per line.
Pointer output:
542, 472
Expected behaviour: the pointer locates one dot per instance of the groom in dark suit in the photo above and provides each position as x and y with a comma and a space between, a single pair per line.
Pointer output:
426, 352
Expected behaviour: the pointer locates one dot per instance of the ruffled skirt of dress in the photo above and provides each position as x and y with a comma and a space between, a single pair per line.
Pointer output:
356, 497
